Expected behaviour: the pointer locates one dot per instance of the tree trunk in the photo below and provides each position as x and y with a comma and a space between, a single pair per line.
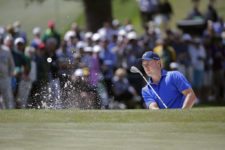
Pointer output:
97, 12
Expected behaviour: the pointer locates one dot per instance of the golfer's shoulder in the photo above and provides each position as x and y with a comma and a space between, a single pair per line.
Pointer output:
174, 74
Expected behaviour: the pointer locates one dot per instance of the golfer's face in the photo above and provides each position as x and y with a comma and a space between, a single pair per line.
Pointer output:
150, 66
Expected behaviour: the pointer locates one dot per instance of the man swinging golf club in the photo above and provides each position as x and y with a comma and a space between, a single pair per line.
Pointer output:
165, 89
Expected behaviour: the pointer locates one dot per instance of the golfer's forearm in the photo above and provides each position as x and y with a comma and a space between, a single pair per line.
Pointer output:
189, 101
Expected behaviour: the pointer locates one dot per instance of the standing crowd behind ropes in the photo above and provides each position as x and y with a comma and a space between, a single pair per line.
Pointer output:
43, 67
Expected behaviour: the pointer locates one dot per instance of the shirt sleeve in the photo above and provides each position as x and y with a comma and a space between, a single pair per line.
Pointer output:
147, 96
180, 81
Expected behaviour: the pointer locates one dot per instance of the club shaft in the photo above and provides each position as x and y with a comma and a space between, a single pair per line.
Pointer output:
153, 91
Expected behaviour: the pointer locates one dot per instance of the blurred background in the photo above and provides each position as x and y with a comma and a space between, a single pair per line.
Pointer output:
64, 12
77, 53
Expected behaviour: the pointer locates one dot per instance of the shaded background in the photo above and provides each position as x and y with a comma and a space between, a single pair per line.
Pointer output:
33, 13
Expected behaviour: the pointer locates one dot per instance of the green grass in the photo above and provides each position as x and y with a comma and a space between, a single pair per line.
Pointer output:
128, 9
199, 128
38, 14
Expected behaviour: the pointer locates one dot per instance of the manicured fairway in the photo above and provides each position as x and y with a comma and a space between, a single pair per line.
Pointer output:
199, 128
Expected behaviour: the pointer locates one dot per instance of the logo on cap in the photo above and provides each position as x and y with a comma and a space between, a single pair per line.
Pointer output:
150, 56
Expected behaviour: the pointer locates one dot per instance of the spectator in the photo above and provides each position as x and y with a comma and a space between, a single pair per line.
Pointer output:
70, 41
165, 52
148, 9
195, 13
51, 32
218, 67
2, 35
26, 84
183, 56
211, 13
88, 38
123, 91
20, 62
19, 32
96, 77
76, 29
25, 81
95, 71
119, 50
132, 50
150, 36
166, 10
6, 73
108, 63
10, 31
36, 41
38, 90
106, 31
198, 55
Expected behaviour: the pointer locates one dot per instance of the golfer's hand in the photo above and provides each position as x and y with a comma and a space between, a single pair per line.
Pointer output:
153, 106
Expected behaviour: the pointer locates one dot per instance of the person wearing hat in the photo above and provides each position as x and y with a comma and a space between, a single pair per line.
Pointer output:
19, 62
17, 27
171, 86
36, 37
123, 91
165, 51
51, 32
24, 81
7, 67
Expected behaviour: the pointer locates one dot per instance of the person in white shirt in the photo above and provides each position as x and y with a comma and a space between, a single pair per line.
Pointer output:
6, 71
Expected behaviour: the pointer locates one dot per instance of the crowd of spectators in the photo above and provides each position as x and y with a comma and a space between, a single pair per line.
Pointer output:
62, 71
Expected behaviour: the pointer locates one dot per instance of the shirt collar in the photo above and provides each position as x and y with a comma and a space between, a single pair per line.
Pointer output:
163, 73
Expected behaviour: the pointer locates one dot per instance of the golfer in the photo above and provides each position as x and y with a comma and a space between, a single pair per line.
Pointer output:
171, 86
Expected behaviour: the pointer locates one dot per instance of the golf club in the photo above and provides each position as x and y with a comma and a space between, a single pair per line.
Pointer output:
134, 69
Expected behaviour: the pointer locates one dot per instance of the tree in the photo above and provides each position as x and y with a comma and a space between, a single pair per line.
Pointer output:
97, 12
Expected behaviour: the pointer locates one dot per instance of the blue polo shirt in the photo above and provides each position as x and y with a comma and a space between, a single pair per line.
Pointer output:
169, 89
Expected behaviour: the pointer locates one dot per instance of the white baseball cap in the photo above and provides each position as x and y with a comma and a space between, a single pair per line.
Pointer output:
97, 48
96, 37
36, 30
81, 44
78, 72
132, 36
69, 34
88, 49
19, 40
88, 35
